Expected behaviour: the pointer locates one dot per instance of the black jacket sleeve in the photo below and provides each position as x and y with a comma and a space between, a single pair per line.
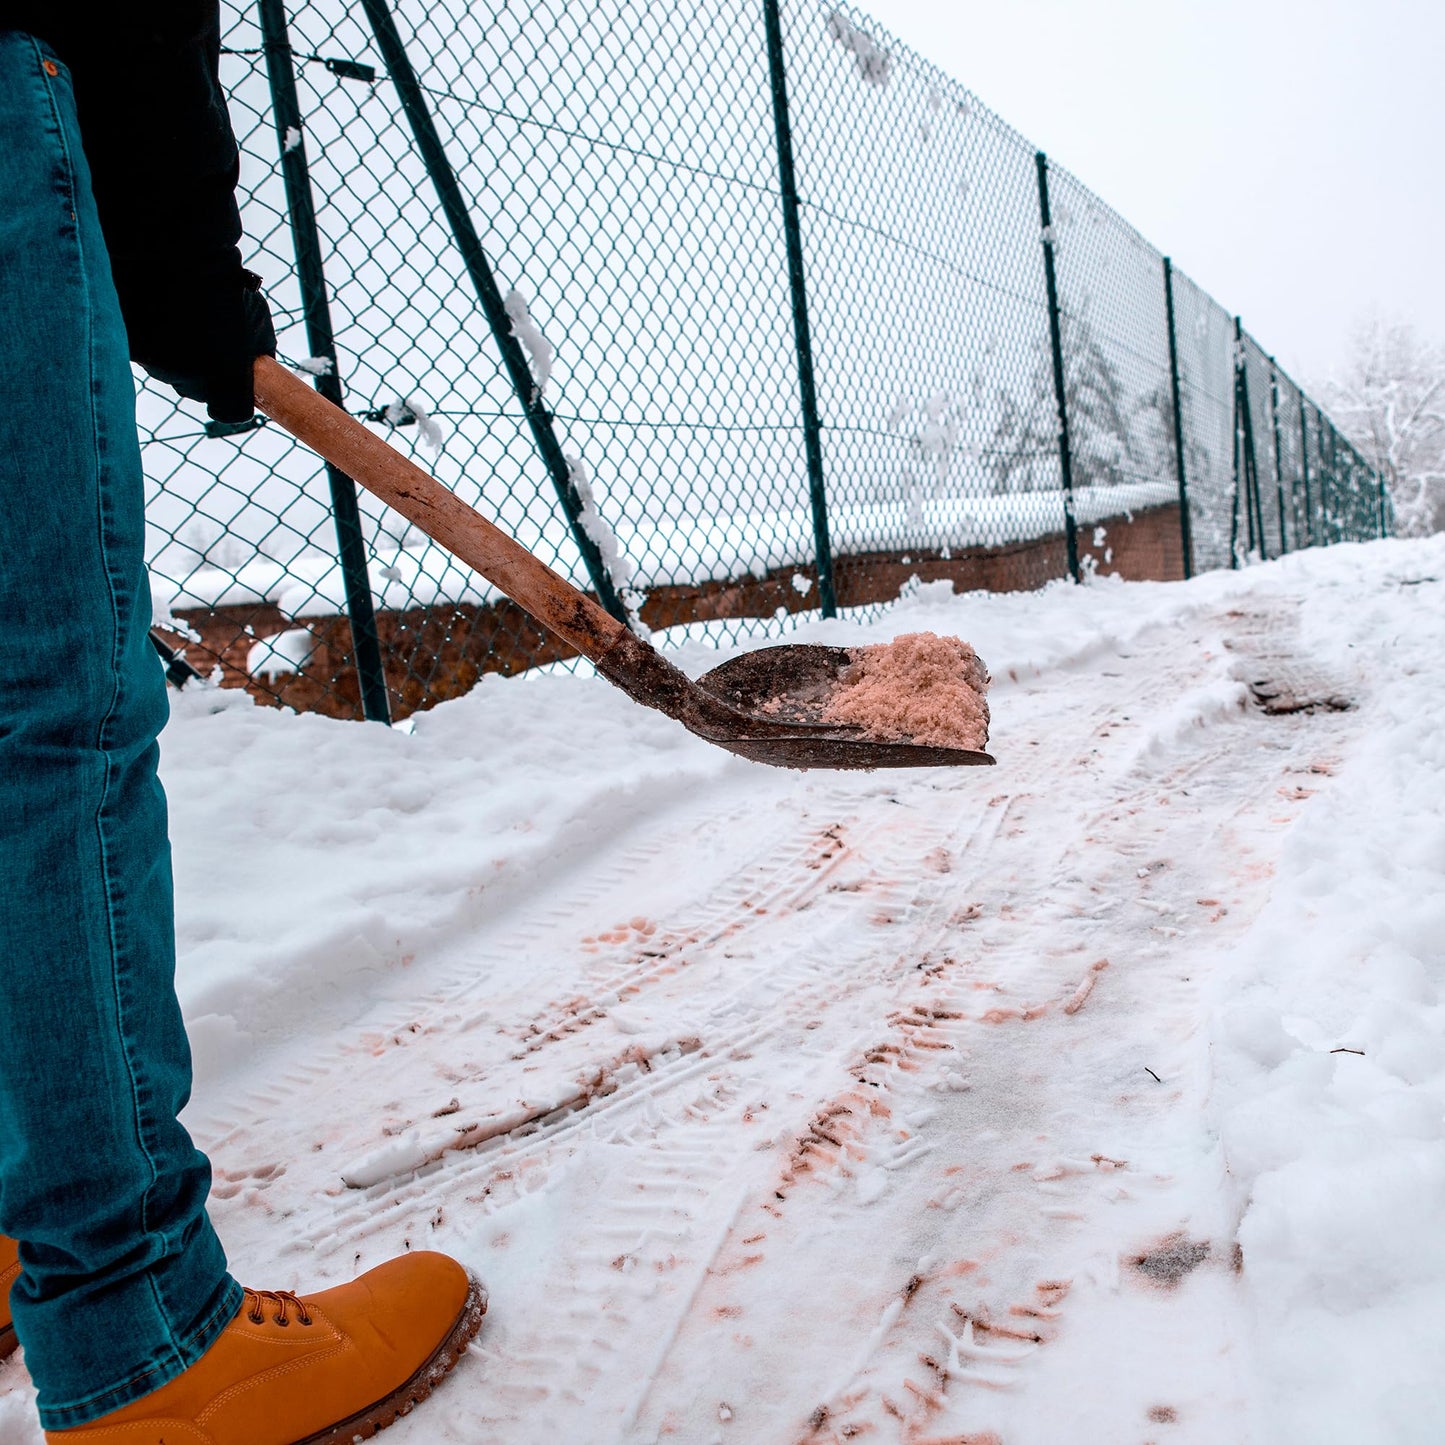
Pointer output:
164, 166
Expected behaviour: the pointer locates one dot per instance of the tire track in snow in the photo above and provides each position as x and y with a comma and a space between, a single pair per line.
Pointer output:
740, 1014
382, 1064
656, 1216
749, 1040
773, 877
768, 881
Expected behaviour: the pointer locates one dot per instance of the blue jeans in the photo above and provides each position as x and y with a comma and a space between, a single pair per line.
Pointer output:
124, 1282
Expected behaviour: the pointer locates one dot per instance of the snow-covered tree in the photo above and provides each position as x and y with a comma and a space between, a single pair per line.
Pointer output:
1390, 401
1115, 436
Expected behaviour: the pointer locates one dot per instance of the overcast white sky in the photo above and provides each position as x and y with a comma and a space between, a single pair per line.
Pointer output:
1289, 154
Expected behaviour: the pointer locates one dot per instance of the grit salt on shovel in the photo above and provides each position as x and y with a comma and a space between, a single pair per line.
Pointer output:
791, 706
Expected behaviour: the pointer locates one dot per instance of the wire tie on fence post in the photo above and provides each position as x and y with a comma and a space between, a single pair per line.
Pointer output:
351, 70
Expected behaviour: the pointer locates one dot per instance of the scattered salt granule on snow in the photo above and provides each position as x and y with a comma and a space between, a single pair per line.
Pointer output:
1083, 991
920, 687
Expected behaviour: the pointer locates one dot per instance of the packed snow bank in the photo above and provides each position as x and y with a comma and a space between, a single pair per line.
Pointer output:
1330, 1052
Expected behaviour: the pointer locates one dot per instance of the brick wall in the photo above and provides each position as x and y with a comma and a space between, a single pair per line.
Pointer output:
439, 652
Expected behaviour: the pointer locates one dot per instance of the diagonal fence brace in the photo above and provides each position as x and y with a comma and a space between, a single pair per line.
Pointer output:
479, 269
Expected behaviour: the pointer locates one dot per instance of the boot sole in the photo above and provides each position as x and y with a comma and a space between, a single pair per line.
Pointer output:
365, 1423
8, 1343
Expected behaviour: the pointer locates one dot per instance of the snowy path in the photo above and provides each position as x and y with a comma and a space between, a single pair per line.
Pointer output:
783, 1108
828, 1040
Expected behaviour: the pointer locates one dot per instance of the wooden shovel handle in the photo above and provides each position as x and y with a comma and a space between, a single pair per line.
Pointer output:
443, 516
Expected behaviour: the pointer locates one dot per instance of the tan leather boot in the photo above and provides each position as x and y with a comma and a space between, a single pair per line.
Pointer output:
331, 1367
9, 1273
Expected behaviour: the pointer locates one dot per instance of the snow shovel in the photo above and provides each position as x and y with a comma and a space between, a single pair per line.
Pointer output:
764, 705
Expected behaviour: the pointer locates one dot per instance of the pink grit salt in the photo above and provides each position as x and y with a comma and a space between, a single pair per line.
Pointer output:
919, 688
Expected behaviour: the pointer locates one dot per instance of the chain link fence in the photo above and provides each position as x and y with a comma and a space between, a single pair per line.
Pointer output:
727, 312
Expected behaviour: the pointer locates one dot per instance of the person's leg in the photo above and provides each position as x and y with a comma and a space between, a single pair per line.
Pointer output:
124, 1283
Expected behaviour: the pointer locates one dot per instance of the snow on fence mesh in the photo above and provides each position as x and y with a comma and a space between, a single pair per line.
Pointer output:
782, 288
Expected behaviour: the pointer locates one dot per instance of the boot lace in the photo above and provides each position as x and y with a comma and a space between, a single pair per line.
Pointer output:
282, 1299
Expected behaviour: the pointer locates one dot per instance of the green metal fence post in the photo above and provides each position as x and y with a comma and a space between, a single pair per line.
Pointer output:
479, 270
1056, 336
1334, 475
179, 672
1298, 493
1186, 540
1241, 480
1278, 452
1364, 476
1304, 454
1248, 469
1351, 489
802, 329
1337, 466
1252, 452
316, 308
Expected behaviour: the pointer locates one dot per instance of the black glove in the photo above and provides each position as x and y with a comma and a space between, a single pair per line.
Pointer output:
201, 336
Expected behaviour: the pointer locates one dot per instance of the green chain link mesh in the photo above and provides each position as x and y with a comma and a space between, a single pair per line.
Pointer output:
620, 162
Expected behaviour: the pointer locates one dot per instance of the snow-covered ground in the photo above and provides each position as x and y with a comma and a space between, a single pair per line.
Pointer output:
1098, 1097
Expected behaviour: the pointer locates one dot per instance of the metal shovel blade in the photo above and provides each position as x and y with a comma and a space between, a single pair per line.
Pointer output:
775, 698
